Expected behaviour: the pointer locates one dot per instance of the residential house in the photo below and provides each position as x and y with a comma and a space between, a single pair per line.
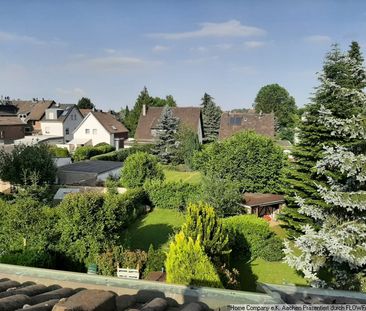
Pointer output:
31, 113
147, 127
234, 122
99, 127
85, 112
11, 127
61, 120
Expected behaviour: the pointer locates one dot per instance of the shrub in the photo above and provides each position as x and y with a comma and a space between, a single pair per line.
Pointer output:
140, 167
172, 195
29, 258
59, 152
110, 156
87, 152
252, 160
253, 237
225, 203
187, 264
122, 154
155, 260
203, 224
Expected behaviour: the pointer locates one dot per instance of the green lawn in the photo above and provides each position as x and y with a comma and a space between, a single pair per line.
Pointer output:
154, 228
260, 270
190, 177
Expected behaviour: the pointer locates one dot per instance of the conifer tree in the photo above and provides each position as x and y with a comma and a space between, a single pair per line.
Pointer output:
131, 120
187, 264
202, 223
166, 146
211, 115
339, 72
337, 241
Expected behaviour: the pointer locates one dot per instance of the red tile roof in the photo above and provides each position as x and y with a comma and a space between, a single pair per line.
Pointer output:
232, 123
189, 116
36, 109
14, 120
109, 122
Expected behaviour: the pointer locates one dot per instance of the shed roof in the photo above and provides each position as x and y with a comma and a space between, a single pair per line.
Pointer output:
189, 116
232, 123
91, 166
262, 199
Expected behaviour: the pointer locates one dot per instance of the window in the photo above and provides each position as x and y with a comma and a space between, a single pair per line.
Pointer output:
87, 131
95, 132
67, 131
236, 120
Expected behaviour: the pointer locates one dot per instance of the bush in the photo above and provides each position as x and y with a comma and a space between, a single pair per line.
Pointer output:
87, 152
122, 154
29, 258
155, 260
202, 223
172, 195
187, 264
59, 152
252, 160
140, 167
225, 203
253, 237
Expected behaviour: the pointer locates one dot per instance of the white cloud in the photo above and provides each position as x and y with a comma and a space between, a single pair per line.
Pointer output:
224, 46
12, 37
110, 51
231, 28
254, 44
113, 62
199, 49
160, 48
318, 39
74, 93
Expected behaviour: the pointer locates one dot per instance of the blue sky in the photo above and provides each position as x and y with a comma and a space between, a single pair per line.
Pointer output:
109, 50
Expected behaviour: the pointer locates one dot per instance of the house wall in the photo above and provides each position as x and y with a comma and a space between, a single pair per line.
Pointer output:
116, 173
54, 128
11, 132
101, 135
76, 178
71, 123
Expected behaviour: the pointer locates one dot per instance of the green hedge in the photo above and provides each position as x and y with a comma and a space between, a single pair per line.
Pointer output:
87, 152
172, 195
122, 154
59, 152
29, 258
252, 236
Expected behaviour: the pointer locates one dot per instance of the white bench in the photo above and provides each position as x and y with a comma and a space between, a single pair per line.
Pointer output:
127, 273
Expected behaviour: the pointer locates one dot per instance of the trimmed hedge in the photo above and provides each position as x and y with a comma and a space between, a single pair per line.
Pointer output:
122, 154
252, 236
58, 152
172, 195
87, 152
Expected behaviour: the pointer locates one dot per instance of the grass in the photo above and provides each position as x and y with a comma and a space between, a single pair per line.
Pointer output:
154, 228
260, 270
189, 177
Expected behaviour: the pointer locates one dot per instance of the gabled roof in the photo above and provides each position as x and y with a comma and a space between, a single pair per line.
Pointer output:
65, 110
34, 109
107, 120
232, 123
84, 112
188, 116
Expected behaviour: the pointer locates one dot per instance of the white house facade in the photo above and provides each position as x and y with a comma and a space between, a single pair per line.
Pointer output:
99, 127
61, 120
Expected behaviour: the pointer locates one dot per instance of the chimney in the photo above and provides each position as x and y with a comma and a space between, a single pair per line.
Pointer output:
144, 110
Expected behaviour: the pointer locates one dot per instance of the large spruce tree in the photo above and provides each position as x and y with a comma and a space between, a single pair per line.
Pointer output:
336, 244
166, 144
211, 115
340, 71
